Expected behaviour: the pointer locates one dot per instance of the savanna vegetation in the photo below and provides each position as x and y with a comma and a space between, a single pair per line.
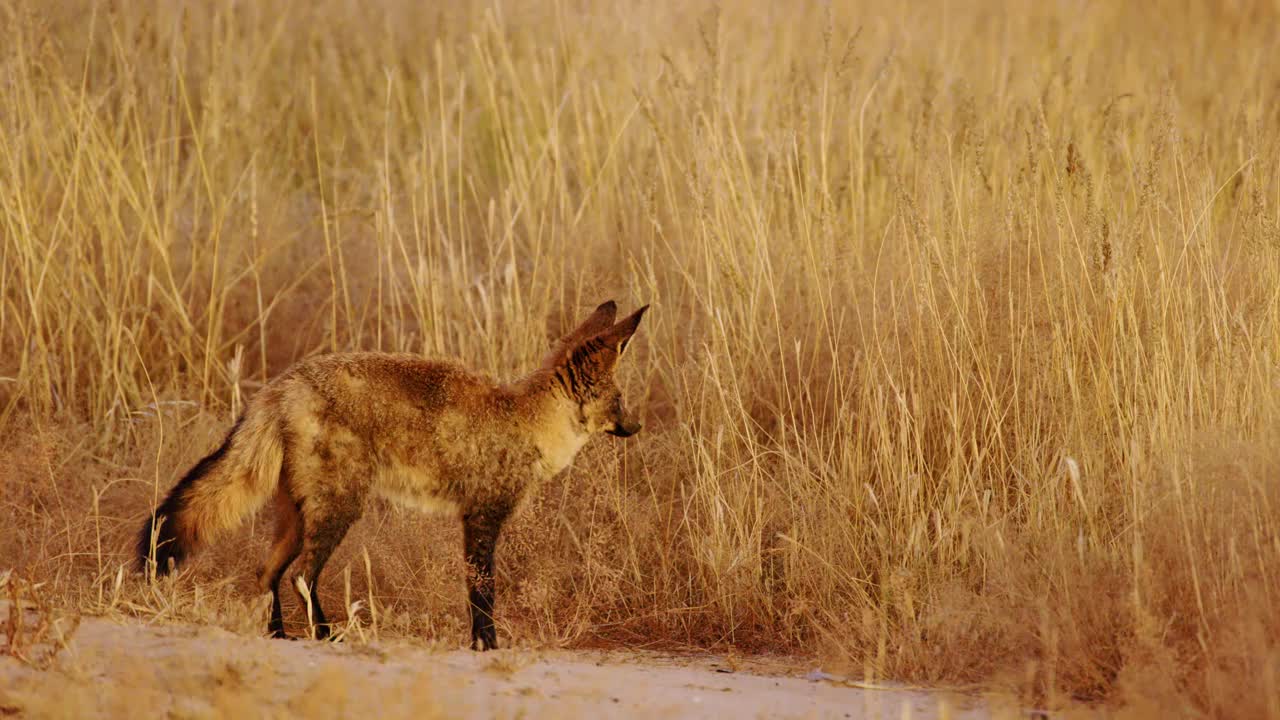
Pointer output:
962, 365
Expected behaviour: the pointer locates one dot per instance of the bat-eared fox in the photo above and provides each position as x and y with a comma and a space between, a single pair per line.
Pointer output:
333, 430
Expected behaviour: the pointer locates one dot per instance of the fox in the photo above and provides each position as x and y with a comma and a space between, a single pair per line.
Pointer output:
335, 430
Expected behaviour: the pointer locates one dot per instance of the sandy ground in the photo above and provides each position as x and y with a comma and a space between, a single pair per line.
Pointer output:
109, 669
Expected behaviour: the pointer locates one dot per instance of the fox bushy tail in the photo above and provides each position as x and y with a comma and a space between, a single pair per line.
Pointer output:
216, 494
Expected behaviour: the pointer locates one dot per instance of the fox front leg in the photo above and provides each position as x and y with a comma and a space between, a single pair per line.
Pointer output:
480, 530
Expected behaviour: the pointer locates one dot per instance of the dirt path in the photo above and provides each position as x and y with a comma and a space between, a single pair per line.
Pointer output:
135, 670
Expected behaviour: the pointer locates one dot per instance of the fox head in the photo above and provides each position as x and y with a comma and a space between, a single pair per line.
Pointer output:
582, 364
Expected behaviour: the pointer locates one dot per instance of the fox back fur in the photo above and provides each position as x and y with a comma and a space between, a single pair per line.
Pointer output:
334, 430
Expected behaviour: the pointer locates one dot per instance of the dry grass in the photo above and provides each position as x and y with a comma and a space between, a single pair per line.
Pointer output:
963, 358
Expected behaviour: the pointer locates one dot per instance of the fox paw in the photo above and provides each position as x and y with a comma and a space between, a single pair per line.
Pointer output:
484, 639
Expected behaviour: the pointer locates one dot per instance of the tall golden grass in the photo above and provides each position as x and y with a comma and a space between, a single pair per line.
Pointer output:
963, 358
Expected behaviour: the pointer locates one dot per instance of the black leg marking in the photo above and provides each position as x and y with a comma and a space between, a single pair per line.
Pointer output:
320, 539
480, 531
288, 544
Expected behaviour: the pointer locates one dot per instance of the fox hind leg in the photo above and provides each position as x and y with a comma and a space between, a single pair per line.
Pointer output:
288, 544
322, 532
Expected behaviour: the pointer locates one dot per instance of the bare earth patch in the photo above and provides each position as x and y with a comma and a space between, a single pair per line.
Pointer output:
109, 669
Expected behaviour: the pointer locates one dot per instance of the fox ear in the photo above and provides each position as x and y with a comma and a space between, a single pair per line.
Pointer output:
617, 336
599, 320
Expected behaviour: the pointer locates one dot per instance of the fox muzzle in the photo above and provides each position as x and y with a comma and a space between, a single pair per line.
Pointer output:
625, 428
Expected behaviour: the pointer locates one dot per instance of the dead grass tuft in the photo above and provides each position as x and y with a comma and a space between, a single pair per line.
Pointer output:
34, 632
